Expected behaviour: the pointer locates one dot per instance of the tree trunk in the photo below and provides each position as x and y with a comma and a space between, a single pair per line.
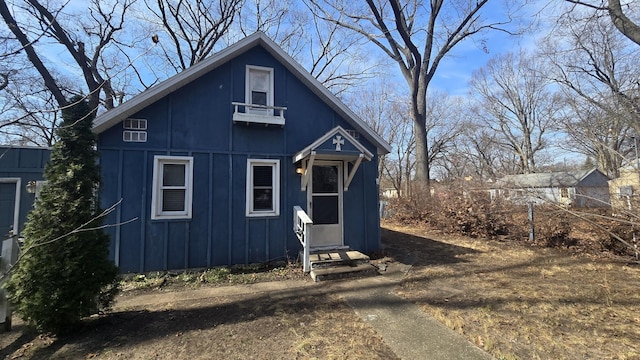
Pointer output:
33, 57
623, 23
422, 156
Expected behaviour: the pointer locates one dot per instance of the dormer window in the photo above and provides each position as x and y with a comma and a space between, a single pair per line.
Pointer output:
258, 106
259, 85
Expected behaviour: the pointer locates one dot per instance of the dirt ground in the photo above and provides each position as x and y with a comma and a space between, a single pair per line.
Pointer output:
248, 326
513, 300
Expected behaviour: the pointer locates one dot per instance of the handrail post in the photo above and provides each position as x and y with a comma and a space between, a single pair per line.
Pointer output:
307, 264
302, 228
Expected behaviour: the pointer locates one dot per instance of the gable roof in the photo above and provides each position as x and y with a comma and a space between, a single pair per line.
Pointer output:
546, 180
337, 131
155, 93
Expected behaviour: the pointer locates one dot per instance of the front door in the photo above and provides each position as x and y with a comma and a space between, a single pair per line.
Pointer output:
325, 204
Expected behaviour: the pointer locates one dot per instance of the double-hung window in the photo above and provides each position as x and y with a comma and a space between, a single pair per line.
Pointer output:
259, 89
263, 187
172, 187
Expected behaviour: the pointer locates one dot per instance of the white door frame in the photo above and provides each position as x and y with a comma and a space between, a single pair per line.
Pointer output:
16, 206
317, 229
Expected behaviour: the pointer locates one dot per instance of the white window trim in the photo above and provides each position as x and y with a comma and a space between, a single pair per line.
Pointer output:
275, 178
16, 205
247, 87
156, 196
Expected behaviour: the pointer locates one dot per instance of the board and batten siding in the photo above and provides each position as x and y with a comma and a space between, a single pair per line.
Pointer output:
26, 164
196, 121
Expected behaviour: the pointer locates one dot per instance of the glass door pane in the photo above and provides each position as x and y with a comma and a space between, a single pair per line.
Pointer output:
325, 199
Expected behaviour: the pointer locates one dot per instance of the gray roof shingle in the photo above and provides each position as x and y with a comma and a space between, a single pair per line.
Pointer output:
544, 180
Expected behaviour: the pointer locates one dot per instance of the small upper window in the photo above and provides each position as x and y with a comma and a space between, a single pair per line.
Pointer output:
134, 136
263, 187
135, 124
259, 87
172, 187
134, 130
354, 134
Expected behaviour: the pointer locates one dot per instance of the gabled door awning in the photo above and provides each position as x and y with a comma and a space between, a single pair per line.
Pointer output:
336, 144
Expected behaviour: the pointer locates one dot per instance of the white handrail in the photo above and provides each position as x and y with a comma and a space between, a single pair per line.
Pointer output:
302, 228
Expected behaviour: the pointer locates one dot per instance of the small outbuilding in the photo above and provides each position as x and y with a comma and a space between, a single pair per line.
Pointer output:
580, 189
21, 174
625, 190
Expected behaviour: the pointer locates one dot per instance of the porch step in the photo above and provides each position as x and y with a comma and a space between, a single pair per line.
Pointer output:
338, 264
336, 258
343, 271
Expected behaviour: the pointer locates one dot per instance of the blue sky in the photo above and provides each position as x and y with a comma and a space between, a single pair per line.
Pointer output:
453, 73
456, 69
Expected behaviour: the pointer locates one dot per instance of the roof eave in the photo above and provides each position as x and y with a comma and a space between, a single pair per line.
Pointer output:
321, 91
155, 93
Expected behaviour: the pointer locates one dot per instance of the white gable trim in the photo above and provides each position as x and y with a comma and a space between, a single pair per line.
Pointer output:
310, 152
151, 95
331, 133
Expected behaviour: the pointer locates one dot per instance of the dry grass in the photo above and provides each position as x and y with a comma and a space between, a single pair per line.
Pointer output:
520, 302
513, 300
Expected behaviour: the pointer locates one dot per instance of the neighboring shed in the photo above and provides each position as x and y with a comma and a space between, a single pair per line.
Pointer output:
19, 167
585, 188
211, 163
625, 190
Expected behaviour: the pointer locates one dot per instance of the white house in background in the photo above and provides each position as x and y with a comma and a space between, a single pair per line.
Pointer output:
625, 190
585, 188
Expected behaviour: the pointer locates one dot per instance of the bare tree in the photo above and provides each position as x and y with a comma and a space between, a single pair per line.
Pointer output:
332, 54
29, 113
279, 19
598, 136
622, 22
515, 102
88, 40
400, 163
620, 14
4, 80
417, 36
107, 20
192, 28
443, 126
475, 153
385, 111
598, 75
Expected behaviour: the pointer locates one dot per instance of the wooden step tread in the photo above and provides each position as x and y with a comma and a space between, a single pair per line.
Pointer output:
338, 256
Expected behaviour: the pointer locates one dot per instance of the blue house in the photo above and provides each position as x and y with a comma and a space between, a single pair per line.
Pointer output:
21, 173
210, 164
